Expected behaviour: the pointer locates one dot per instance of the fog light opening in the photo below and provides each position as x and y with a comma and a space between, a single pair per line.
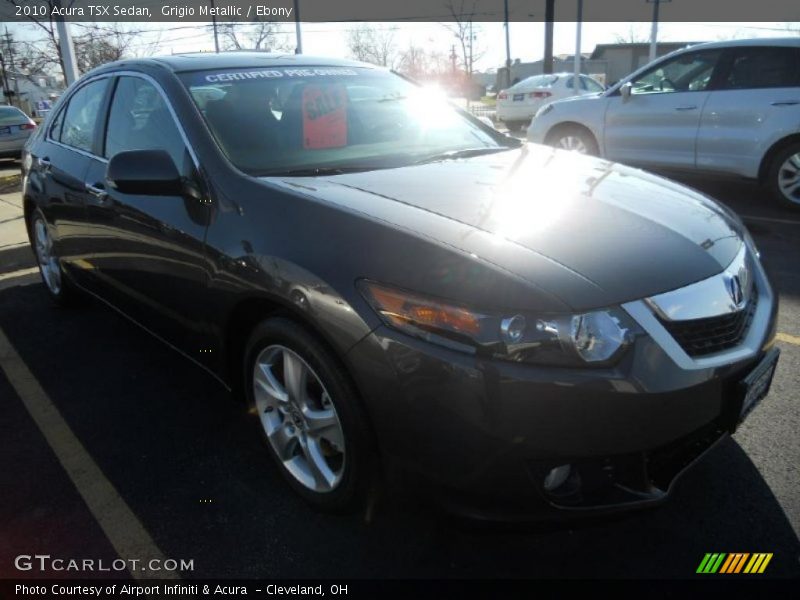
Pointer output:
556, 478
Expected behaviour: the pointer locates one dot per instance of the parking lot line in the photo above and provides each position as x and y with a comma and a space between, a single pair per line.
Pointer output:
789, 339
20, 273
125, 532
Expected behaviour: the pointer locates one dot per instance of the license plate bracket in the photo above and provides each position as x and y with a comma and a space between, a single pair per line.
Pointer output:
756, 385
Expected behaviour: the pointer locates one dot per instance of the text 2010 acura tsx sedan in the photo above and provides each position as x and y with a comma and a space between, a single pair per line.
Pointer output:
390, 282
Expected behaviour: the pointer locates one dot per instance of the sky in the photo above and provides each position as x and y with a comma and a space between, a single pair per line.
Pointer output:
527, 38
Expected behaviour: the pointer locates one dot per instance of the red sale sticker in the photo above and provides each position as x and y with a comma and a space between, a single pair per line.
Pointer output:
324, 116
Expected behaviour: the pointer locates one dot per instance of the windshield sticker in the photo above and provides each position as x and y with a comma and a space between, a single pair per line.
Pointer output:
275, 73
324, 116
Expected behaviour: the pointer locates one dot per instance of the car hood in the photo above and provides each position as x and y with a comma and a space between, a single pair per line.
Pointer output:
588, 231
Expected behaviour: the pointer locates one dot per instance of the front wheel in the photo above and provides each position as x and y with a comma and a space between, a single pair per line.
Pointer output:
783, 177
309, 415
574, 139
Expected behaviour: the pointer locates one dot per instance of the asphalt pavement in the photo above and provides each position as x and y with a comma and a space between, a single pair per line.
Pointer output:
181, 458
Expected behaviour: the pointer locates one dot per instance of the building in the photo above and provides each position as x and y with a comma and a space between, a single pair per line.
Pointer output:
37, 92
624, 58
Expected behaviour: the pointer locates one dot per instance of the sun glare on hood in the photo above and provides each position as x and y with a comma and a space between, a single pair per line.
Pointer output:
528, 202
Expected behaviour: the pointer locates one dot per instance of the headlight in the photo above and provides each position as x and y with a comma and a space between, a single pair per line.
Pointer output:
595, 338
750, 242
543, 110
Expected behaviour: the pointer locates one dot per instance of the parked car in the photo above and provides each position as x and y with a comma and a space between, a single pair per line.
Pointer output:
517, 105
724, 107
15, 129
392, 284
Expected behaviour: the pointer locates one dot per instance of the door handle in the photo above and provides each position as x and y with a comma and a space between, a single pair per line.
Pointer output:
785, 103
97, 191
693, 107
44, 163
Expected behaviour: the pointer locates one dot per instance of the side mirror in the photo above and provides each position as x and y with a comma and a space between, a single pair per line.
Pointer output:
625, 90
144, 172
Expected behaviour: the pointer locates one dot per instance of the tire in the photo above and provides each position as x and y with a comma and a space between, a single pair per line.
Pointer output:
58, 286
783, 176
290, 426
575, 139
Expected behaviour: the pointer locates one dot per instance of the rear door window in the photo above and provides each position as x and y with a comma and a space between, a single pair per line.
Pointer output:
81, 118
762, 67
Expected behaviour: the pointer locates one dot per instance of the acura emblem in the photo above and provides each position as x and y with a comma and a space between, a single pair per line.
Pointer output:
735, 290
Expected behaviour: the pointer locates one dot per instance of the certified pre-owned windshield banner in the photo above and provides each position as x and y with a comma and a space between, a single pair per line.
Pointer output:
391, 10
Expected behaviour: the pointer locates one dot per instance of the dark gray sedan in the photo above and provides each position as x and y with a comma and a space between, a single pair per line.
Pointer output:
15, 129
397, 288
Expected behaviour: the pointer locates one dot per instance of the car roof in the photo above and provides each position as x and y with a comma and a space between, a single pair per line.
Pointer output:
791, 42
201, 61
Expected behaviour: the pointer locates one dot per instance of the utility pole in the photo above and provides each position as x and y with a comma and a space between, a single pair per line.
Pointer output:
66, 48
549, 17
67, 51
508, 46
577, 60
654, 28
10, 49
469, 62
297, 31
6, 90
214, 26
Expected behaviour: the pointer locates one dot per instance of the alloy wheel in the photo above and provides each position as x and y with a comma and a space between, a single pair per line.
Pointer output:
789, 178
573, 143
299, 418
48, 262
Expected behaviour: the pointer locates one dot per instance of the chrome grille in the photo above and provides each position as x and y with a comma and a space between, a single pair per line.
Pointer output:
701, 337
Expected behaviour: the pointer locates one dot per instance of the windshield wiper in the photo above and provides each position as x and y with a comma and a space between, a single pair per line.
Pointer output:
466, 153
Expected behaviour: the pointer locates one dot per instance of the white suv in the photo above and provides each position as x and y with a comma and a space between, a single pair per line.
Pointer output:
725, 107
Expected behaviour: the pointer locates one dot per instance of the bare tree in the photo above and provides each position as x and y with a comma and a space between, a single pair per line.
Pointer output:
634, 35
259, 35
419, 63
369, 44
465, 32
47, 26
96, 46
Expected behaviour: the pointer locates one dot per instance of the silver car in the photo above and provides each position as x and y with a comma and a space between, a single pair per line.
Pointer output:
15, 129
724, 107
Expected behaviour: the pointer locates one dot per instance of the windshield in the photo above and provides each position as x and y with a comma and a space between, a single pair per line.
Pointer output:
280, 120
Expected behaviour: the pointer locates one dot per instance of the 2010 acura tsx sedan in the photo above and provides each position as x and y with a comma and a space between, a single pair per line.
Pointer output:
388, 281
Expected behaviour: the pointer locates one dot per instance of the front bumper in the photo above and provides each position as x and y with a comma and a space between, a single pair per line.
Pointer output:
483, 434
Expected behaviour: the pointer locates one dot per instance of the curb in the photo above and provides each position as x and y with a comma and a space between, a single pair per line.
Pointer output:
10, 179
14, 259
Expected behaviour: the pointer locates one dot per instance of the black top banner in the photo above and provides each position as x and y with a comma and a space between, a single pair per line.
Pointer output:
392, 10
